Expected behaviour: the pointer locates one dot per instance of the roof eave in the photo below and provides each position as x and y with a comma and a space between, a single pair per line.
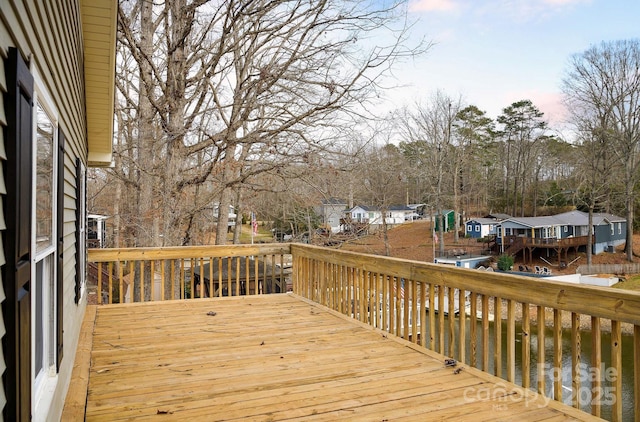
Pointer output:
99, 25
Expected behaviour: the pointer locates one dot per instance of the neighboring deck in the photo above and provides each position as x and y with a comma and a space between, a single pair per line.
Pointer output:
274, 357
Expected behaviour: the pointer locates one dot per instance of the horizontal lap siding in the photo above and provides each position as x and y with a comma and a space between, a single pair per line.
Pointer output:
49, 33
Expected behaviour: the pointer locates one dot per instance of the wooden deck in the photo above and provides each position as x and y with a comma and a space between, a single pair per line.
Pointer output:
274, 357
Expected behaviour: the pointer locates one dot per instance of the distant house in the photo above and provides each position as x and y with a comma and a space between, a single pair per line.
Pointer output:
449, 220
418, 211
481, 227
96, 231
608, 230
332, 211
231, 222
398, 214
395, 214
484, 226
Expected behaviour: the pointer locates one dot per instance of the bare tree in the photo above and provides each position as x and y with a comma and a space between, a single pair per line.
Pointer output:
429, 126
221, 92
603, 84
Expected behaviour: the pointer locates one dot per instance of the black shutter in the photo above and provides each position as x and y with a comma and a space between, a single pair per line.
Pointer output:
60, 250
80, 253
16, 273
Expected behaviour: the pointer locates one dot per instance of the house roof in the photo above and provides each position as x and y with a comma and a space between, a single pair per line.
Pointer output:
571, 218
374, 208
99, 24
334, 201
400, 208
498, 216
483, 221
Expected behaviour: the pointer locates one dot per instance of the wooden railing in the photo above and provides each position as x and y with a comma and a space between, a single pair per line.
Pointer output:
545, 241
495, 315
146, 274
512, 326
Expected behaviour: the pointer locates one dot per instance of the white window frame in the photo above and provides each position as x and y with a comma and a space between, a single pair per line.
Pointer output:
613, 229
44, 382
619, 228
478, 228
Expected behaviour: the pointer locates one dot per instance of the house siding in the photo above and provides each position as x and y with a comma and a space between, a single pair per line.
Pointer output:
49, 34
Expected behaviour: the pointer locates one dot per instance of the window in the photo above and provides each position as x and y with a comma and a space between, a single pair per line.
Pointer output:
619, 228
613, 231
566, 229
44, 243
478, 228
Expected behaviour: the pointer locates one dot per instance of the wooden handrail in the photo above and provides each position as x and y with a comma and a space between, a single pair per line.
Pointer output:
398, 296
147, 274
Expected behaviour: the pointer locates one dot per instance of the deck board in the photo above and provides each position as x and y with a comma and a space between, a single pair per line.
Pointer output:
278, 357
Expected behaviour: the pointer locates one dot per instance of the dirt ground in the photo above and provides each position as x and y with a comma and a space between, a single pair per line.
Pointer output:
414, 241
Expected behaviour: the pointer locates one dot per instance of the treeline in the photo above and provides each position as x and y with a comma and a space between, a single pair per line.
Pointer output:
270, 107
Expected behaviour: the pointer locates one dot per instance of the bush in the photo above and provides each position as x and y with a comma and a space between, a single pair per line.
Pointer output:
505, 262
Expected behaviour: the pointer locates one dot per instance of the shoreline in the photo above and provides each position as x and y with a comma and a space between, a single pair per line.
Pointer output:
585, 320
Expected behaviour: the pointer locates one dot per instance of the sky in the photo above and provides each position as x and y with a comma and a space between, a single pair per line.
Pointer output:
493, 53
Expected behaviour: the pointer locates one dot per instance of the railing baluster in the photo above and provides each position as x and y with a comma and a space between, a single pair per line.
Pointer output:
451, 317
432, 317
557, 354
497, 336
406, 291
473, 341
576, 380
142, 265
423, 315
237, 261
99, 283
526, 346
172, 269
398, 296
385, 304
441, 319
182, 269
485, 333
110, 269
152, 273
511, 340
132, 281
596, 364
120, 282
541, 349
163, 264
616, 365
462, 318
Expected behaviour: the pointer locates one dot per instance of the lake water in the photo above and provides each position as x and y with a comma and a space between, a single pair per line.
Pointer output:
585, 391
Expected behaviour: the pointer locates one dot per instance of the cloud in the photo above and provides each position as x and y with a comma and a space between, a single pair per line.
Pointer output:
564, 2
433, 5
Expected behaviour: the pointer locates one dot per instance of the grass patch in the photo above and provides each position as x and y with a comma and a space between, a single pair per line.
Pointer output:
632, 283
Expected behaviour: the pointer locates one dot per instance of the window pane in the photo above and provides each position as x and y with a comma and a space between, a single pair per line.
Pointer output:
44, 180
